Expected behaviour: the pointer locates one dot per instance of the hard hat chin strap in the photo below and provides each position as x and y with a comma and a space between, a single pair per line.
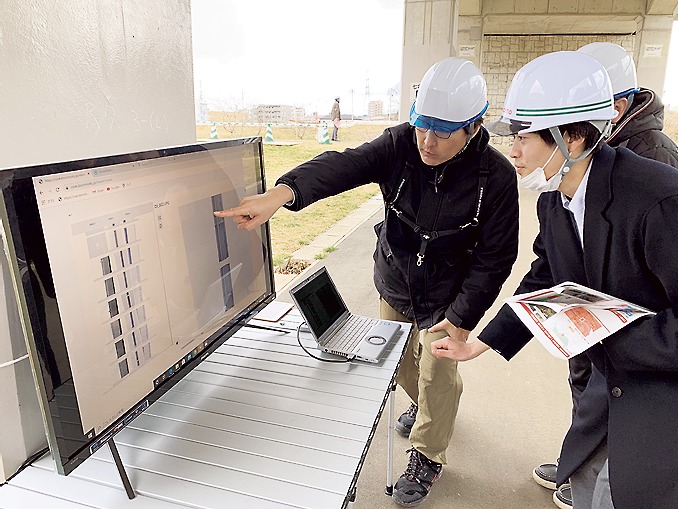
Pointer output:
569, 160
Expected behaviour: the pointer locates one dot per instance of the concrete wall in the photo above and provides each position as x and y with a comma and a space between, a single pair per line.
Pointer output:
429, 36
435, 29
93, 77
81, 79
503, 55
652, 51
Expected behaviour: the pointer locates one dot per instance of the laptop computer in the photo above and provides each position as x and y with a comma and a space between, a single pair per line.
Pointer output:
334, 328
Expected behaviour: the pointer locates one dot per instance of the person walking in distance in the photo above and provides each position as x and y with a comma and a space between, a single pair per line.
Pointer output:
336, 119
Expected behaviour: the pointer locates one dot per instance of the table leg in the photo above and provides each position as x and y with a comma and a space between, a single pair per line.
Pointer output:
389, 449
351, 500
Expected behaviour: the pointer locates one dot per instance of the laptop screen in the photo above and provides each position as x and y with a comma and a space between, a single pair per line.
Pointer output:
319, 302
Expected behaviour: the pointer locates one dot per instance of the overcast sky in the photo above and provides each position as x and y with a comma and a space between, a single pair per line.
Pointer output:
306, 52
299, 52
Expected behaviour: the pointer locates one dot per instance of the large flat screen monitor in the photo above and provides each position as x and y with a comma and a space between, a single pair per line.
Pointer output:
126, 280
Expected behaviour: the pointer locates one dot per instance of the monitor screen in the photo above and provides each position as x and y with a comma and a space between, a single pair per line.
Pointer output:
126, 280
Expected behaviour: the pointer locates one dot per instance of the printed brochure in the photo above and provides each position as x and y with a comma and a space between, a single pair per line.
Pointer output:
570, 318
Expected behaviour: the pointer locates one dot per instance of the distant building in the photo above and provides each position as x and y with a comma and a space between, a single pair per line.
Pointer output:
276, 113
375, 109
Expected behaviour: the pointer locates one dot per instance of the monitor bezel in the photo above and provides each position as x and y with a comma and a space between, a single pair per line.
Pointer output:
26, 301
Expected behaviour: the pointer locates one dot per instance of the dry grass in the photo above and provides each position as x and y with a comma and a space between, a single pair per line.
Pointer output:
292, 230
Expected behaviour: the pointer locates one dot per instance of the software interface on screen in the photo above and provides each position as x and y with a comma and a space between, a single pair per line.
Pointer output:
157, 273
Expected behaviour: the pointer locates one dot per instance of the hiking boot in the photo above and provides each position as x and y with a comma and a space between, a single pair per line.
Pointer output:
406, 421
545, 475
563, 497
414, 485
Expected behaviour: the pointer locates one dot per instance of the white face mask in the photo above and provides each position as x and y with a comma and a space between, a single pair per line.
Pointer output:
537, 179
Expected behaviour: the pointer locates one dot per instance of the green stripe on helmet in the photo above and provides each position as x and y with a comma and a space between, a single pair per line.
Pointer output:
564, 109
581, 110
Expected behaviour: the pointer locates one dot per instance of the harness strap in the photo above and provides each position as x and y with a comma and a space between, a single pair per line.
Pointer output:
429, 235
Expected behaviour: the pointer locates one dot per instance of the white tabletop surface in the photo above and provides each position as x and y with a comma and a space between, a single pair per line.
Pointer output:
259, 424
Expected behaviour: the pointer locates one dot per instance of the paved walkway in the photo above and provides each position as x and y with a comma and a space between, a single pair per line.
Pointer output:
331, 238
512, 416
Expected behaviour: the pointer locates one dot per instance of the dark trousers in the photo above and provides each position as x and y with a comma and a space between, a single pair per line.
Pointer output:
580, 372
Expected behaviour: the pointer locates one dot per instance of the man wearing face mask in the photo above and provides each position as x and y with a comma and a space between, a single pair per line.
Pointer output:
611, 224
444, 249
637, 126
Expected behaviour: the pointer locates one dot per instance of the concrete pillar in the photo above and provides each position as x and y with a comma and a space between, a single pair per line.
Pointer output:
97, 78
430, 35
652, 51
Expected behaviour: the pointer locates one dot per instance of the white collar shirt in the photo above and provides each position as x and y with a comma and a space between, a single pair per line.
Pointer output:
577, 205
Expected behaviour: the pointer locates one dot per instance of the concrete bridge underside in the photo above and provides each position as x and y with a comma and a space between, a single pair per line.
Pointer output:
500, 36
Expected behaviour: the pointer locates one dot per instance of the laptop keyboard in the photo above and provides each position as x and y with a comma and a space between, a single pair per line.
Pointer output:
351, 333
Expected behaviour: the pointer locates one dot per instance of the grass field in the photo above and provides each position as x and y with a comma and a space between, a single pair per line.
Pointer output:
292, 230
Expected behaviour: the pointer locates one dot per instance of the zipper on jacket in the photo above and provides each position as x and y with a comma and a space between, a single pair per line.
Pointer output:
437, 179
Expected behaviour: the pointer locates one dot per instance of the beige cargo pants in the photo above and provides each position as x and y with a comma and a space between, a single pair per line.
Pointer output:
433, 384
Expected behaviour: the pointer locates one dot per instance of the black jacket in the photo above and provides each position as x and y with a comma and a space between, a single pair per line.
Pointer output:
461, 274
630, 251
640, 130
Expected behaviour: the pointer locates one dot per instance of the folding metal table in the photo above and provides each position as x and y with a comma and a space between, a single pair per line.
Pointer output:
258, 425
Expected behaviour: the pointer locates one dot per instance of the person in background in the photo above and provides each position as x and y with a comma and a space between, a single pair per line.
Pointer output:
638, 127
447, 243
640, 113
336, 119
608, 219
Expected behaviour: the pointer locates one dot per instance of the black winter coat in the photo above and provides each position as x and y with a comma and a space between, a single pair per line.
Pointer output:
640, 130
461, 274
630, 251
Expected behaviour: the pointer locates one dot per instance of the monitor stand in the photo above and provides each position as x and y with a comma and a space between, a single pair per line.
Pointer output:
121, 470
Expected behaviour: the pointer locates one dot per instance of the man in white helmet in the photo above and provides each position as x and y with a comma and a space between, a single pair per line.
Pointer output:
444, 249
610, 222
640, 113
637, 126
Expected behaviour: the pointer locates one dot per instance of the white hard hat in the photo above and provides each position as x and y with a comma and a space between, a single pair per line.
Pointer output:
557, 89
618, 64
452, 95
